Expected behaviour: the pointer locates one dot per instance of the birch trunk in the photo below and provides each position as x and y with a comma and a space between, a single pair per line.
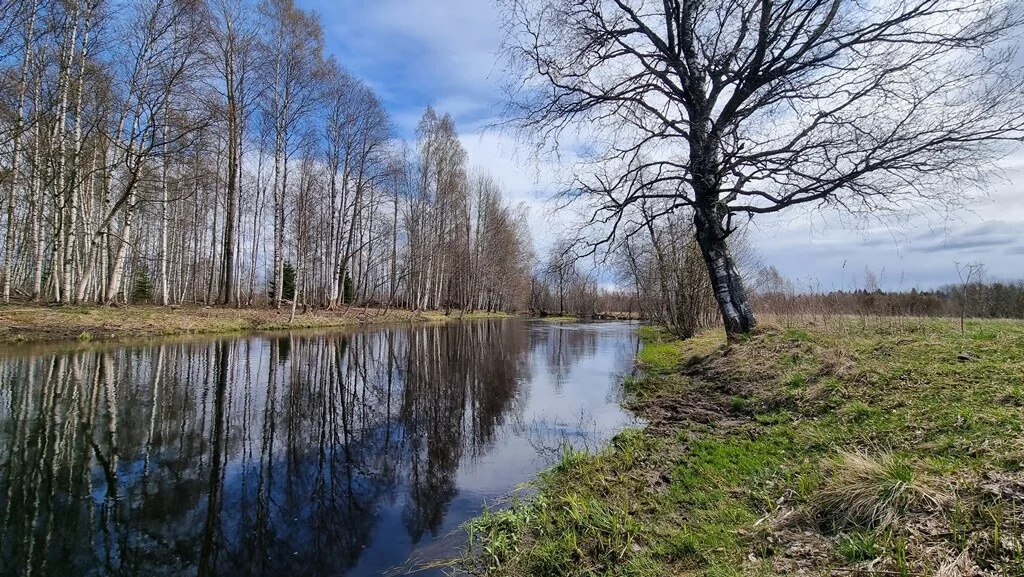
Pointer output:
74, 192
59, 253
731, 296
16, 154
89, 268
164, 225
230, 200
116, 273
36, 202
279, 144
257, 213
118, 265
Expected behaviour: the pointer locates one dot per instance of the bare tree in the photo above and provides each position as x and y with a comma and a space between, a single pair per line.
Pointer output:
159, 50
969, 273
746, 107
12, 14
232, 43
560, 269
666, 268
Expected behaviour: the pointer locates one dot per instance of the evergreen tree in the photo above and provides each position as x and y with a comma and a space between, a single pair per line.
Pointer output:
349, 294
289, 283
142, 288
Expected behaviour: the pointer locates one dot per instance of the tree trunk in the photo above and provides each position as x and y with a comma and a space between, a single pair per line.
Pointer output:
227, 276
77, 180
279, 231
737, 315
16, 154
257, 213
164, 223
117, 269
36, 200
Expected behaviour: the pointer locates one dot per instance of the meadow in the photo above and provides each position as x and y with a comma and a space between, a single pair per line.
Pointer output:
837, 446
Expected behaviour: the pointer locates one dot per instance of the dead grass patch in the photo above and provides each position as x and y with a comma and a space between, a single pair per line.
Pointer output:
34, 324
876, 491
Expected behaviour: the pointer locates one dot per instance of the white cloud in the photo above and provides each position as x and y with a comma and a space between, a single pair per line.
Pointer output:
914, 249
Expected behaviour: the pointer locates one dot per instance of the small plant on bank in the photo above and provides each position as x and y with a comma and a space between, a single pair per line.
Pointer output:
859, 546
288, 281
348, 289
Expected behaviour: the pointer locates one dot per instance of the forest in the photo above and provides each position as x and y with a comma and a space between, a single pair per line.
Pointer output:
209, 151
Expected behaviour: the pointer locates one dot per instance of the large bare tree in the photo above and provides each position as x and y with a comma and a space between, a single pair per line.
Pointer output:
743, 107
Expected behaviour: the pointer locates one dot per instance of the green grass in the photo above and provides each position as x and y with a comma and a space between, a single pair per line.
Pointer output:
859, 546
660, 353
581, 523
798, 449
560, 318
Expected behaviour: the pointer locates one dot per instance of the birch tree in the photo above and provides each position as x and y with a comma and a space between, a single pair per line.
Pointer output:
16, 15
296, 53
233, 37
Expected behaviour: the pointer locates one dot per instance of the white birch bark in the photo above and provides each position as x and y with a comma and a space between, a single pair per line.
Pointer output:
16, 153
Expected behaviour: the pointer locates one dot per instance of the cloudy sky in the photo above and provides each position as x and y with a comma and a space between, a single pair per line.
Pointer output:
416, 53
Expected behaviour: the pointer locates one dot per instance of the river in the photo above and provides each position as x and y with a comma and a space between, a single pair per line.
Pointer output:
338, 454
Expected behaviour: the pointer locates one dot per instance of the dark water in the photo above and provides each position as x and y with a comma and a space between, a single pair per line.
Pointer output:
339, 454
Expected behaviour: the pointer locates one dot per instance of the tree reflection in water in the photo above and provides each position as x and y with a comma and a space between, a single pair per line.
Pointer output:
260, 456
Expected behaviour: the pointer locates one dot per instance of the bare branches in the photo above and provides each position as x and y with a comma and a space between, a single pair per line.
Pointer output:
970, 273
801, 101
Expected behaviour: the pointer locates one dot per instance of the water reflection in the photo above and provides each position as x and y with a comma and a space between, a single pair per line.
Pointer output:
305, 455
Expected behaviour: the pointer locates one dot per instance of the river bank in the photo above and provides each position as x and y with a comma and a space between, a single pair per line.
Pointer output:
30, 324
892, 447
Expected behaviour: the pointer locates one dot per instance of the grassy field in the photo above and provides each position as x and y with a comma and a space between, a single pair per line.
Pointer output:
22, 324
878, 447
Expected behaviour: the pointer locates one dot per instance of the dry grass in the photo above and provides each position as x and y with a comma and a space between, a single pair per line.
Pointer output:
34, 324
876, 491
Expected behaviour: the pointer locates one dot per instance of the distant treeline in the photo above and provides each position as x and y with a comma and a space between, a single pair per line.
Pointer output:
998, 299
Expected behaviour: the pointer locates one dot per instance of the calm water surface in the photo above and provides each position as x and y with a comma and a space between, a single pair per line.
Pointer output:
355, 453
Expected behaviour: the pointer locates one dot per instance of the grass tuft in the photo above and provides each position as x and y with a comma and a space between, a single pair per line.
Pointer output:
875, 491
859, 546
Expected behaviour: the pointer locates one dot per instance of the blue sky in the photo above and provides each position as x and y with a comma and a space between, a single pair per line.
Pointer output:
416, 53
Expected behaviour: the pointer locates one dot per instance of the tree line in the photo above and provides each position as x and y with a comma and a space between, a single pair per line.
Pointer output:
972, 297
207, 149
